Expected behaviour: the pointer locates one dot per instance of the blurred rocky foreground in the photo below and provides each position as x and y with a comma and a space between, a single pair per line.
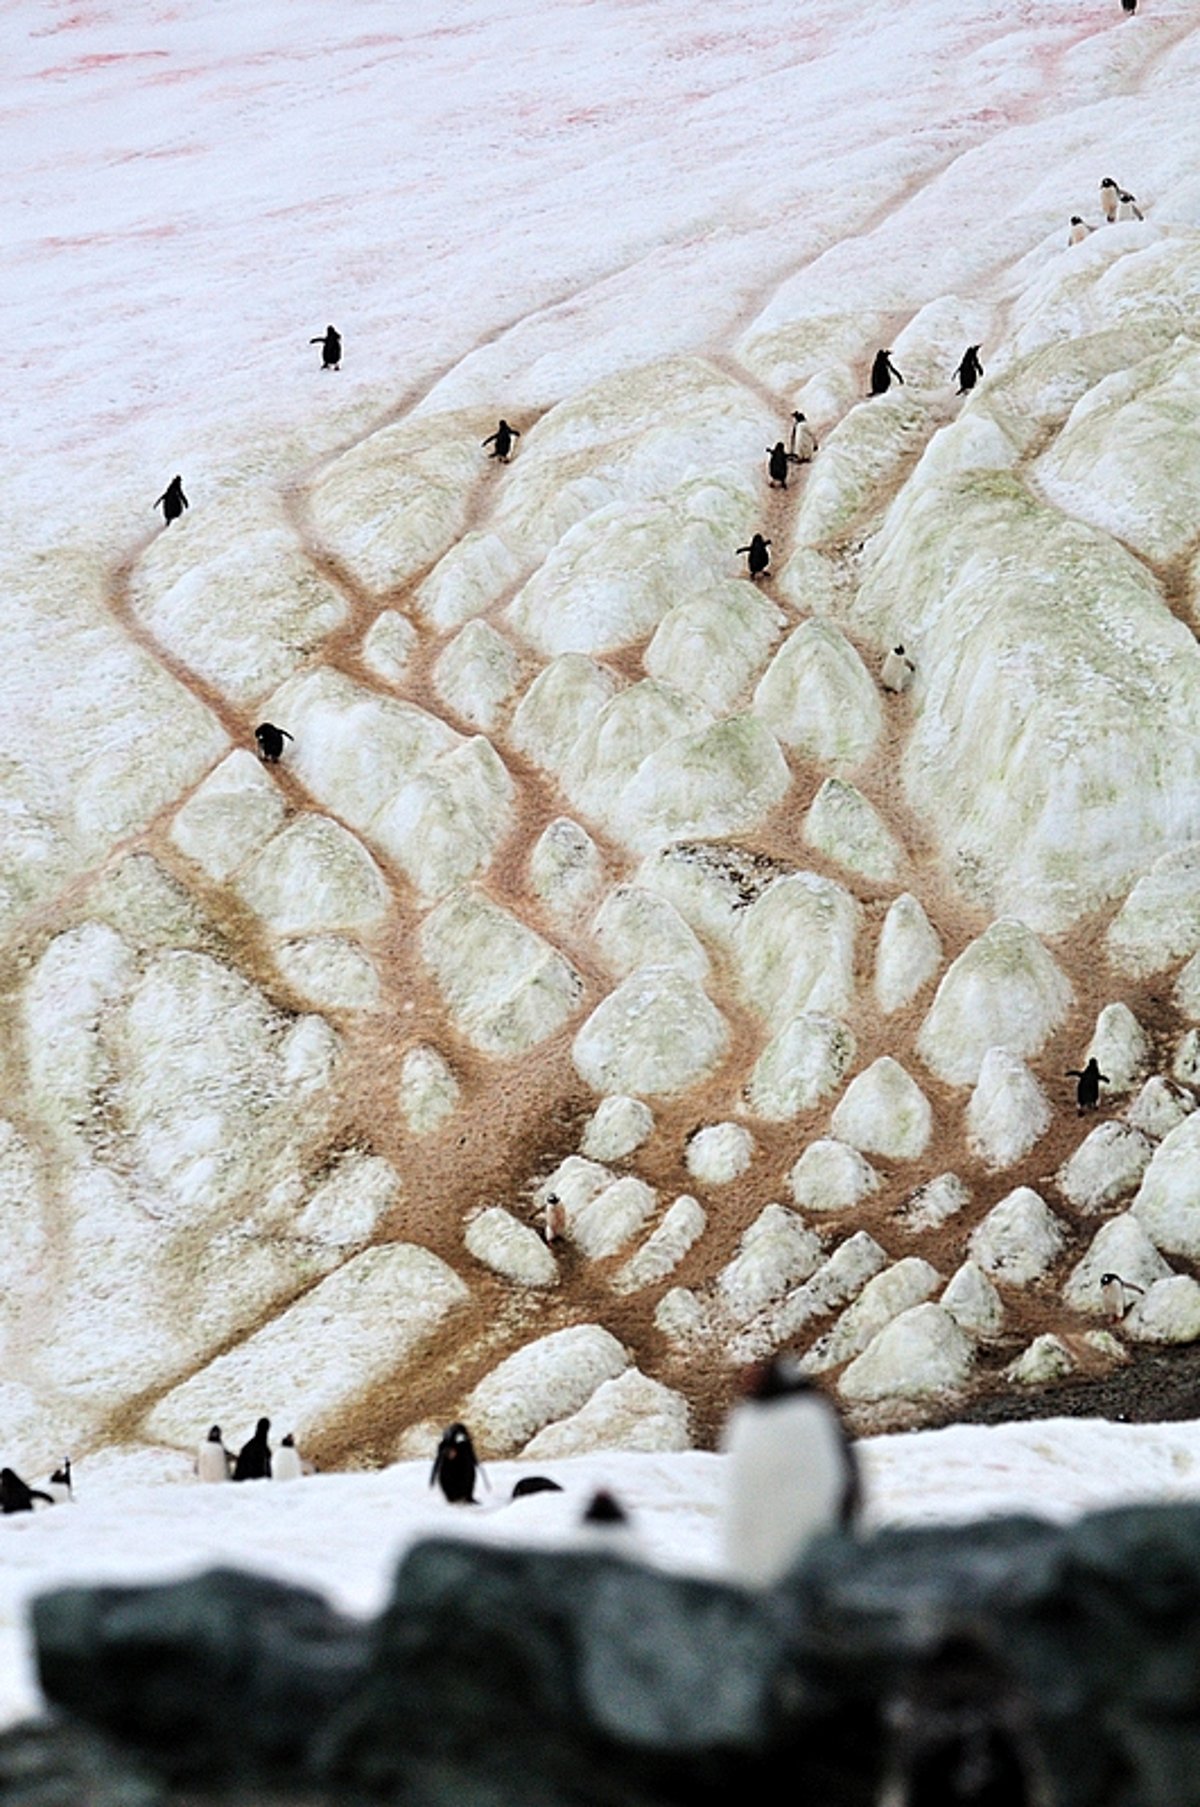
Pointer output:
524, 1676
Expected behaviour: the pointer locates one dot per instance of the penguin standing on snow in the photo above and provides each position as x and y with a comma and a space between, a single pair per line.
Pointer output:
970, 370
897, 671
1127, 207
59, 1484
213, 1460
1112, 1295
16, 1496
1087, 1092
330, 342
270, 742
502, 439
757, 555
455, 1466
801, 444
287, 1464
254, 1457
1079, 230
1110, 195
791, 1473
882, 372
173, 501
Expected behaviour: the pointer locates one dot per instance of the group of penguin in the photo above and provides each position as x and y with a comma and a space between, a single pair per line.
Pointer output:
1117, 204
255, 1460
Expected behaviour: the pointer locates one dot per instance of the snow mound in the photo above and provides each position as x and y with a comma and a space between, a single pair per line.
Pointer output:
922, 1353
566, 869
934, 1203
428, 1091
909, 954
1108, 1163
714, 644
313, 876
663, 1250
657, 1033
634, 927
846, 828
1008, 1111
775, 1252
1046, 1359
839, 1278
1158, 1108
510, 1248
1159, 922
1119, 1044
973, 1302
474, 572
829, 1176
233, 813
718, 1153
897, 1289
630, 1412
618, 1126
558, 707
476, 674
388, 646
602, 1224
505, 987
1167, 1206
1018, 1240
1169, 1313
1120, 1247
794, 948
806, 1061
549, 1379
818, 698
1003, 991
884, 1112
330, 973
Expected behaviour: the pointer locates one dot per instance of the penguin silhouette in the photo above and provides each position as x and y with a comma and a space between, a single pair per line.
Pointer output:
270, 742
254, 1457
778, 459
60, 1483
534, 1483
1128, 6
758, 557
455, 1466
1087, 1092
502, 439
970, 370
173, 501
15, 1496
213, 1460
882, 372
330, 342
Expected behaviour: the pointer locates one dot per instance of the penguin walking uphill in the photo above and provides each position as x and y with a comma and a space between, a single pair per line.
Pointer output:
758, 556
172, 501
791, 1473
330, 342
1087, 1092
970, 370
455, 1466
502, 440
882, 373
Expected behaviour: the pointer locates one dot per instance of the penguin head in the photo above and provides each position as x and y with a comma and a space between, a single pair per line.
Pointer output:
1076, 220
898, 649
1109, 183
796, 415
779, 1378
289, 1442
214, 1435
262, 1428
457, 1438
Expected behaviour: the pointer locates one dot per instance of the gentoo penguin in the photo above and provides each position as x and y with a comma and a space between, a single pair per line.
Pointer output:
534, 1483
270, 742
963, 1732
1087, 1092
801, 443
455, 1466
1112, 1294
502, 439
1079, 230
604, 1508
254, 1457
330, 342
778, 459
173, 501
1128, 6
896, 672
15, 1496
790, 1473
555, 1225
758, 557
59, 1484
287, 1464
213, 1460
882, 372
1110, 195
1127, 207
970, 370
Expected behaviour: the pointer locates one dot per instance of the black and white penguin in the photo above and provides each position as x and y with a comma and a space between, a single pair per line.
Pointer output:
970, 370
16, 1496
801, 443
502, 439
1110, 195
455, 1466
173, 501
1113, 1295
59, 1485
1128, 6
213, 1460
330, 342
270, 742
963, 1732
287, 1463
758, 556
1127, 207
1087, 1092
790, 1474
1079, 230
897, 671
554, 1224
534, 1483
254, 1457
882, 372
778, 459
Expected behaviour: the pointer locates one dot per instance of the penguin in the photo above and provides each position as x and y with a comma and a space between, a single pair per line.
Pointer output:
1129, 7
172, 501
213, 1460
1127, 207
15, 1496
1112, 1294
59, 1484
778, 459
964, 1732
455, 1466
534, 1483
1087, 1092
758, 556
790, 1473
555, 1227
330, 342
288, 1464
970, 370
502, 439
1110, 195
1079, 230
882, 372
604, 1508
801, 444
897, 671
254, 1457
270, 742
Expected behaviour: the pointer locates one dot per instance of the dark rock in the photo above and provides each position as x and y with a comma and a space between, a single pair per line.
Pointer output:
52, 1763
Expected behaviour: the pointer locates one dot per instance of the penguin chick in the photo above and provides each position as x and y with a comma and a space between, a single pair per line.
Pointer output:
1079, 230
287, 1464
455, 1466
502, 439
757, 555
1127, 207
172, 501
59, 1484
213, 1460
1112, 1295
534, 1483
270, 742
330, 342
1087, 1092
16, 1496
790, 1473
897, 671
882, 372
254, 1457
1110, 195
